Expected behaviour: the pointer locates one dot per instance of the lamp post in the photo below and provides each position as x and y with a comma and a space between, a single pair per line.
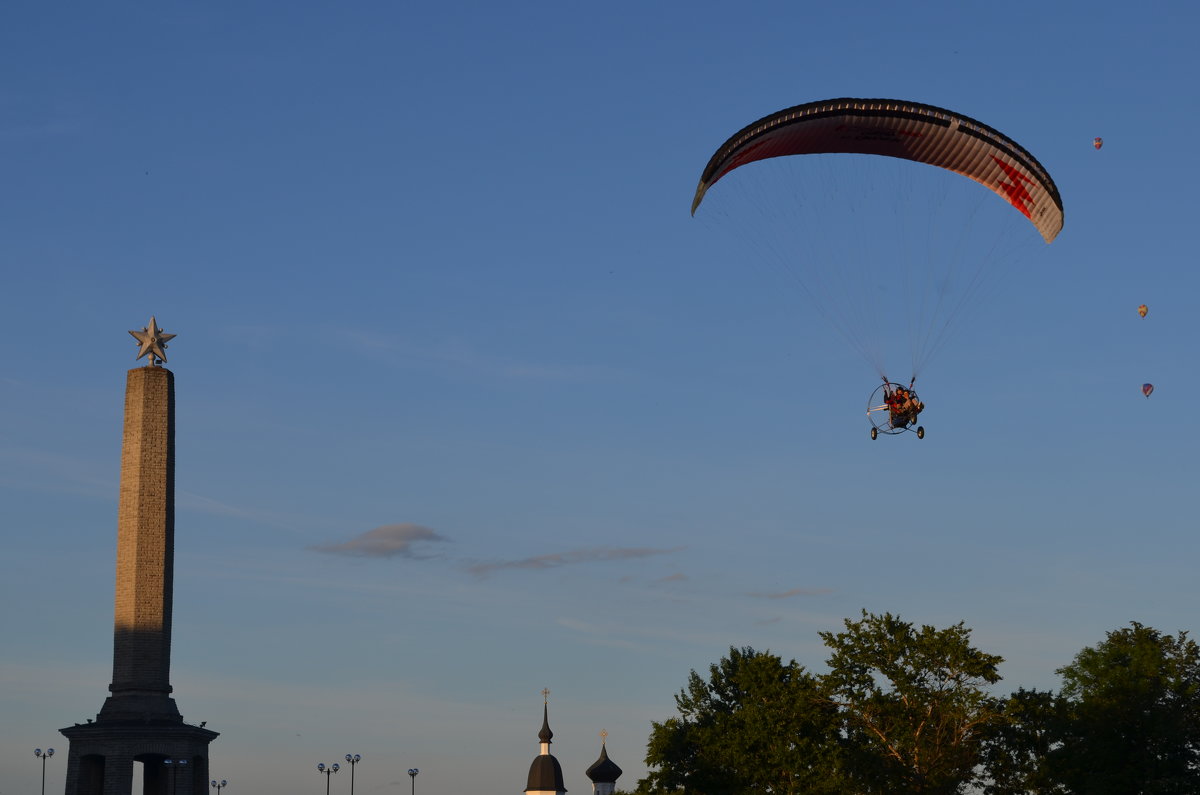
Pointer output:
219, 785
43, 755
328, 771
352, 760
175, 765
412, 773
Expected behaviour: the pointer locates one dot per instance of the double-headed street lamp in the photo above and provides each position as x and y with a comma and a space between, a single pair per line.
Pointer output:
412, 773
328, 771
175, 765
219, 785
352, 760
43, 755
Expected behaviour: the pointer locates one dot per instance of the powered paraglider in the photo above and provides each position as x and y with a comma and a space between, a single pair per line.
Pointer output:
841, 195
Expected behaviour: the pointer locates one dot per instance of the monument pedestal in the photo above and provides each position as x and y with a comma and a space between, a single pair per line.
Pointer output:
102, 755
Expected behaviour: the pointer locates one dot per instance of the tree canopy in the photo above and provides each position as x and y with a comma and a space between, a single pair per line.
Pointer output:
1016, 750
913, 703
755, 725
1133, 703
906, 709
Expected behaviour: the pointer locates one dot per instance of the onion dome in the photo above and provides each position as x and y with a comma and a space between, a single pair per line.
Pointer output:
604, 770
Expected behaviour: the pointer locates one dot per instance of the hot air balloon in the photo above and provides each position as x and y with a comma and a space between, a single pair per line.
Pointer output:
1098, 142
1147, 389
1142, 310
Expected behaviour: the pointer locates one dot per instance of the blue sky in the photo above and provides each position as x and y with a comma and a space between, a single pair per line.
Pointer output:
434, 279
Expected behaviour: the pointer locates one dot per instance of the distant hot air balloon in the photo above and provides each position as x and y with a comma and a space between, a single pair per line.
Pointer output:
1142, 310
1147, 389
1097, 142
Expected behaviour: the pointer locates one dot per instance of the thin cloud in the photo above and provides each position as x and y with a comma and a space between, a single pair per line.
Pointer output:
48, 129
676, 577
791, 593
461, 356
598, 635
389, 541
555, 560
186, 500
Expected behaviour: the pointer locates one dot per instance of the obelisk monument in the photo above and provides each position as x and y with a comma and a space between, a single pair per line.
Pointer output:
139, 721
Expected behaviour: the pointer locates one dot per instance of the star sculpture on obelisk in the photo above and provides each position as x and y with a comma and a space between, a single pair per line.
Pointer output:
151, 340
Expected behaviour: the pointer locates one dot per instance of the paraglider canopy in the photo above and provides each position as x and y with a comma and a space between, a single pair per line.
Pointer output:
901, 129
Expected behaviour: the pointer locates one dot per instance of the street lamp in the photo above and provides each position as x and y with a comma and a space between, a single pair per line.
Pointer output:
328, 771
219, 785
175, 765
43, 755
412, 773
353, 759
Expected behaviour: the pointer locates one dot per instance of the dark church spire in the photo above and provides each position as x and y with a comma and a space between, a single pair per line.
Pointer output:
545, 734
545, 774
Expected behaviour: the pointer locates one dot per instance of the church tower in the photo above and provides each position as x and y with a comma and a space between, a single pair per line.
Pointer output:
545, 774
139, 721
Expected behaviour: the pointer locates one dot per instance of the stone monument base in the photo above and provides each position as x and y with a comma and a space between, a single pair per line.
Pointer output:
102, 755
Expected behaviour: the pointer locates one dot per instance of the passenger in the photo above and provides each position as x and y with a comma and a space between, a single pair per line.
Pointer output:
896, 403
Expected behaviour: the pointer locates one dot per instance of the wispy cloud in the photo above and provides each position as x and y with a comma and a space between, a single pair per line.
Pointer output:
461, 356
388, 541
609, 635
676, 577
36, 130
52, 473
793, 592
186, 500
557, 559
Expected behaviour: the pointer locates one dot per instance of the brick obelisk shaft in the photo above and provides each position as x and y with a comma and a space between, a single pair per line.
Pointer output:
145, 549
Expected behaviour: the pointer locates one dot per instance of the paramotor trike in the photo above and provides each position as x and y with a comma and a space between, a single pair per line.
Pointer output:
894, 408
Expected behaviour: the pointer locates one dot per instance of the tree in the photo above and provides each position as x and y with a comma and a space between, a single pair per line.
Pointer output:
754, 726
1134, 716
1017, 747
912, 703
